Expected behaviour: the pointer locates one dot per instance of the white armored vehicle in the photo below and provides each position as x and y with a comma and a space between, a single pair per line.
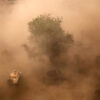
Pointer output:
14, 77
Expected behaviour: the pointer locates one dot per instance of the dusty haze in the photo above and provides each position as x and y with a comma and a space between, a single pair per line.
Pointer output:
81, 19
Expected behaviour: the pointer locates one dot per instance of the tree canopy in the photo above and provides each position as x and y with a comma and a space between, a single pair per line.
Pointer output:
49, 35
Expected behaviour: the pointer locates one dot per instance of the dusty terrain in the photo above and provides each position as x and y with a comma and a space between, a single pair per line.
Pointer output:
82, 77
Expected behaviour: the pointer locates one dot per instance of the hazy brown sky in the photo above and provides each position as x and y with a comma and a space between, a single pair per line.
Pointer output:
78, 16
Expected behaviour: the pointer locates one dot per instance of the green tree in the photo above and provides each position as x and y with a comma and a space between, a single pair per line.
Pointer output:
46, 32
49, 35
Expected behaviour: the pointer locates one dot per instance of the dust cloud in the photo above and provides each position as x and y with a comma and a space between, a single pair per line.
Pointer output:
81, 19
